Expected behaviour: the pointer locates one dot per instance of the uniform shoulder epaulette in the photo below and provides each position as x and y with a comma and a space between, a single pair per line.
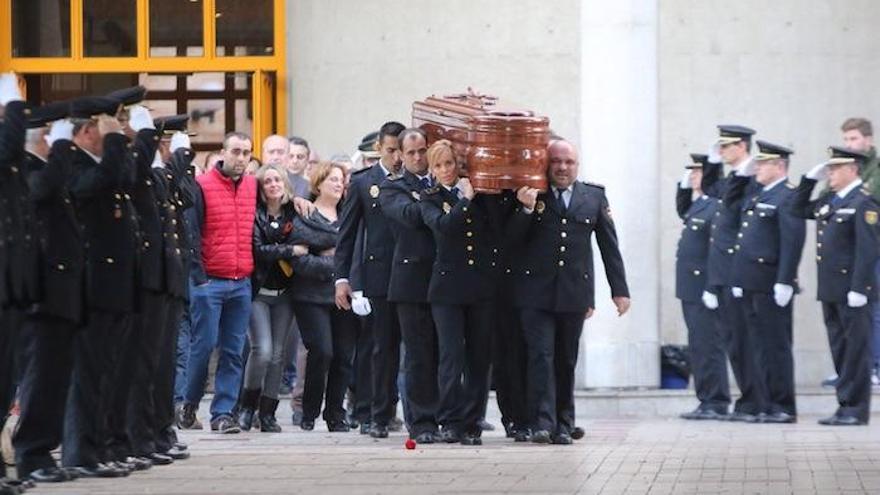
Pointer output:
361, 171
431, 190
594, 184
395, 178
790, 185
865, 191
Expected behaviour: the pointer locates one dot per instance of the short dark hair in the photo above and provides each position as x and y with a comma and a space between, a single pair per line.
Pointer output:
298, 141
411, 131
858, 124
236, 134
390, 129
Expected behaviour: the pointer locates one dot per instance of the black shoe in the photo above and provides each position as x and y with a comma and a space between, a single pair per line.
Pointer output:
296, 418
379, 431
831, 381
365, 428
159, 459
396, 424
521, 436
307, 425
838, 420
471, 440
180, 446
99, 471
139, 463
701, 414
541, 436
577, 433
485, 425
246, 419
7, 489
777, 418
71, 473
561, 439
268, 424
338, 427
425, 437
509, 430
225, 424
122, 466
352, 423
176, 454
449, 436
186, 417
741, 417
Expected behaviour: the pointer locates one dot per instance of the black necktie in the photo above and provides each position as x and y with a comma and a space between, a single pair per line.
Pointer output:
561, 200
835, 200
454, 191
426, 182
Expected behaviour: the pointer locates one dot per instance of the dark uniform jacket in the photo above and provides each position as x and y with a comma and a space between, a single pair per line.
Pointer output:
361, 210
770, 239
60, 244
314, 274
692, 255
173, 187
413, 241
467, 257
847, 240
555, 271
272, 243
110, 226
151, 270
17, 244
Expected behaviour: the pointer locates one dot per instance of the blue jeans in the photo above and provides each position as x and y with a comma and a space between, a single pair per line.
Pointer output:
184, 340
219, 310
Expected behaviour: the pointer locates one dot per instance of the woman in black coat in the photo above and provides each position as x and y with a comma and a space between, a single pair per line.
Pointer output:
327, 332
272, 310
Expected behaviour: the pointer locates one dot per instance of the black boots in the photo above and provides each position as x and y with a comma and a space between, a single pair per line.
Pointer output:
247, 408
268, 423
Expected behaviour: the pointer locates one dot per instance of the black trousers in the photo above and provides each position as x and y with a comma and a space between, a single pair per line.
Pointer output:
464, 341
97, 349
10, 327
385, 361
345, 332
162, 422
47, 344
362, 382
706, 347
420, 364
852, 329
740, 351
552, 341
509, 366
141, 358
770, 328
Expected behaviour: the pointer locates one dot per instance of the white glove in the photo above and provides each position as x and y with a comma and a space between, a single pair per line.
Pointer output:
714, 153
685, 182
9, 88
710, 300
139, 118
782, 294
61, 129
360, 305
737, 292
180, 140
747, 169
819, 172
157, 160
856, 300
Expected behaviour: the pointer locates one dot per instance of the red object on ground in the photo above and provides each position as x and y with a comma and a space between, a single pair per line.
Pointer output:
410, 444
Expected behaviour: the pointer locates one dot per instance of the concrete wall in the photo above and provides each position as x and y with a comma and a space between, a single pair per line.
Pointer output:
354, 64
793, 70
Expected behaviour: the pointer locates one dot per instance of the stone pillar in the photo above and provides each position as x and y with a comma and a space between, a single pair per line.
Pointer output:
619, 149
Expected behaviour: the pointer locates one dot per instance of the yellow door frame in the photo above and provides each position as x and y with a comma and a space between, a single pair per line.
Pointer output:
258, 66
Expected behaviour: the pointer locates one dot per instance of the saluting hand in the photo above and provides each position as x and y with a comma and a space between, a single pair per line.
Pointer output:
466, 188
622, 304
527, 196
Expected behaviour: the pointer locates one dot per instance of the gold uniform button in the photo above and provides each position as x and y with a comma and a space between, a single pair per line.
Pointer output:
563, 235
740, 235
843, 271
146, 243
750, 213
507, 271
468, 220
110, 260
61, 267
127, 196
561, 249
528, 272
564, 221
824, 222
495, 250
729, 251
760, 260
464, 208
134, 154
745, 224
819, 245
470, 248
371, 257
697, 272
736, 247
470, 262
118, 197
493, 263
819, 258
469, 234
694, 227
177, 250
405, 261
561, 263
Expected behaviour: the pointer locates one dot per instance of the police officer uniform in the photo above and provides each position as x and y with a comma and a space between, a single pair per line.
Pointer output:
53, 319
555, 289
731, 314
408, 290
706, 345
768, 250
362, 209
847, 242
462, 292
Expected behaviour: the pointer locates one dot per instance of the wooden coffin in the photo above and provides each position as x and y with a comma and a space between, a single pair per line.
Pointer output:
499, 147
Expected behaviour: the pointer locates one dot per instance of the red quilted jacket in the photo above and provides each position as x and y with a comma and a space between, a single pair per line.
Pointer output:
229, 223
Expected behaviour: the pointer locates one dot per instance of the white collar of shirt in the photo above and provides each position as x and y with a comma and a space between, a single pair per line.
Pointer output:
423, 177
774, 184
384, 170
566, 194
449, 188
96, 158
846, 190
